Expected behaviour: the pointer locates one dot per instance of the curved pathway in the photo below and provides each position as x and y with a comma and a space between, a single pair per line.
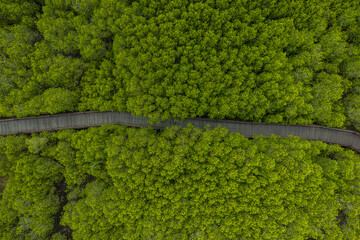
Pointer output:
78, 120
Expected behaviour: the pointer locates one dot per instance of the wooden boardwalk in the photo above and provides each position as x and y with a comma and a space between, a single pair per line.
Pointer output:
78, 120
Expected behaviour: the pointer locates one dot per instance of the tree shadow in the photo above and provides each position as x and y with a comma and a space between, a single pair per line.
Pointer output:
3, 183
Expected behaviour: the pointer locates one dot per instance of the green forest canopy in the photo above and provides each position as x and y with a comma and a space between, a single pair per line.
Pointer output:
117, 182
272, 61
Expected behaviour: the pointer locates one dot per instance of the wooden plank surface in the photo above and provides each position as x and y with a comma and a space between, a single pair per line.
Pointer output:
78, 120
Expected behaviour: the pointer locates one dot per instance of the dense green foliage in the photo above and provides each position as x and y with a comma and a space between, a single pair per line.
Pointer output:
138, 183
277, 61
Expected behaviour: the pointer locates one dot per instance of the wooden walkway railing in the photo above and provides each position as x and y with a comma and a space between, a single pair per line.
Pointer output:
78, 120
